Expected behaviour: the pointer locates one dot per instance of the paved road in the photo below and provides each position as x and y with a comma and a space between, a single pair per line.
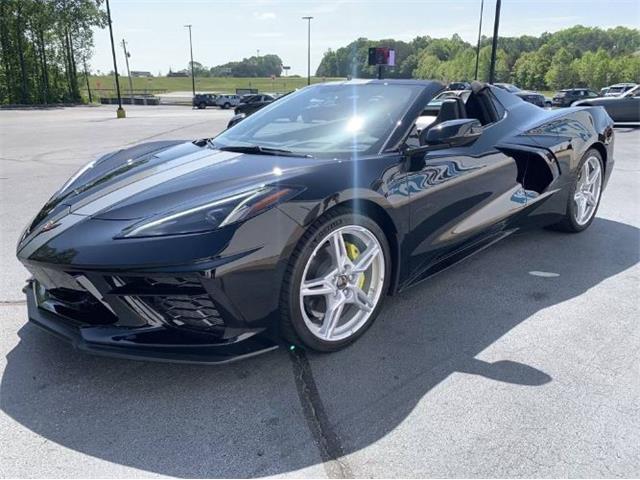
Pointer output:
490, 369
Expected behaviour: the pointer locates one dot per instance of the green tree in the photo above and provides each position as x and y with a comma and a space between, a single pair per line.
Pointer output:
429, 67
41, 44
593, 69
561, 73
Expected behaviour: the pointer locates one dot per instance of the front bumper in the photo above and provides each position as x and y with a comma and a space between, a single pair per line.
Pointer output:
154, 343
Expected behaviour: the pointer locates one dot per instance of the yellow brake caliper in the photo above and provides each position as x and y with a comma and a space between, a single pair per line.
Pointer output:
353, 252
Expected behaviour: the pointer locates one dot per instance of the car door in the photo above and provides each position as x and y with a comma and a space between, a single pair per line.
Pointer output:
630, 107
460, 199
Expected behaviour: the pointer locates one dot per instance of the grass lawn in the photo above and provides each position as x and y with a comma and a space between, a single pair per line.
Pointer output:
105, 84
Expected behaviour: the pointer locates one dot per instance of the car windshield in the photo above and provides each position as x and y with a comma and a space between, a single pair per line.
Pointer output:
330, 120
633, 92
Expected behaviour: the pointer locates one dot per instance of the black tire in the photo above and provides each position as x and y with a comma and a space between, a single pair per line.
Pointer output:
226, 106
292, 325
568, 223
202, 105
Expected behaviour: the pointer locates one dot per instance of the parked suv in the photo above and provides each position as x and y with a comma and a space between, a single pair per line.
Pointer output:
204, 100
227, 101
564, 98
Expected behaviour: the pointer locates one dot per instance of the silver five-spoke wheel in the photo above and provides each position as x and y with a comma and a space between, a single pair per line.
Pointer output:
587, 190
342, 283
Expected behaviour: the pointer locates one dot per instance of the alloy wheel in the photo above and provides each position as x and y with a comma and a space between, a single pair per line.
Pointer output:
342, 283
587, 192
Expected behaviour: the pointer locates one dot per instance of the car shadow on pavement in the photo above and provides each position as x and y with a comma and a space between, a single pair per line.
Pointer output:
248, 419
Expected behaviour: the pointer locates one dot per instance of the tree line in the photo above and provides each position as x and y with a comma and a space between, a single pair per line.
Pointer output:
256, 66
45, 47
576, 56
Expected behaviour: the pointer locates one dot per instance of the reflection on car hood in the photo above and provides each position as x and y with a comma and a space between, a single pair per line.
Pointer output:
139, 182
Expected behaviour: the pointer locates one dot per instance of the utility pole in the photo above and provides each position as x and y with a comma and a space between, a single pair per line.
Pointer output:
193, 78
120, 113
126, 59
308, 19
479, 36
494, 43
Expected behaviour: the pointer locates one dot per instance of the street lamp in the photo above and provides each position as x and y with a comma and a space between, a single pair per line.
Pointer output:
308, 19
479, 34
494, 43
193, 78
120, 113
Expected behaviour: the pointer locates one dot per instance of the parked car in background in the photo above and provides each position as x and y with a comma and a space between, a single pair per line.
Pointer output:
459, 86
227, 101
617, 89
252, 103
622, 108
564, 98
204, 100
526, 95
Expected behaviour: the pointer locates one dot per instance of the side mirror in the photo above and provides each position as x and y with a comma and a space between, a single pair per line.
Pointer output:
236, 119
454, 133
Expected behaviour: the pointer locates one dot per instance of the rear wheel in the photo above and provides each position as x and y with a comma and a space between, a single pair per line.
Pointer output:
226, 106
585, 193
335, 282
202, 106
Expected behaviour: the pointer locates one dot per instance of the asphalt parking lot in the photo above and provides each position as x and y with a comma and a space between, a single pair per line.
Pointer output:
523, 361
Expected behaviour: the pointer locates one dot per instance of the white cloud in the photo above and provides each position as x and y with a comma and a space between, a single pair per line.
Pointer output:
264, 15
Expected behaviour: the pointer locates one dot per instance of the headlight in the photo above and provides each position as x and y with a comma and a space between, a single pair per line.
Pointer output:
211, 215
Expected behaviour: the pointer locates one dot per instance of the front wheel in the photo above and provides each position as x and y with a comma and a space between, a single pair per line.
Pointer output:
335, 282
585, 193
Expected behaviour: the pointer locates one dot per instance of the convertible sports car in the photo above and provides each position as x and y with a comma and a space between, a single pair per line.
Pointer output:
621, 108
293, 225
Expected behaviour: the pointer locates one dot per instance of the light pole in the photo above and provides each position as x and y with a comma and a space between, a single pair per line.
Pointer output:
308, 19
494, 43
126, 59
479, 34
120, 113
193, 78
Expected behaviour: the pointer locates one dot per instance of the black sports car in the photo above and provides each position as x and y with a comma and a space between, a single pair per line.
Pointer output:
293, 225
621, 108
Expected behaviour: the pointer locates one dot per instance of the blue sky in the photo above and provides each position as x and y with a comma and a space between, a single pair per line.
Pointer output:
230, 30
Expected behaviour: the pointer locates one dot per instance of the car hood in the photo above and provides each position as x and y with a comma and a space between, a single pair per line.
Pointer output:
151, 178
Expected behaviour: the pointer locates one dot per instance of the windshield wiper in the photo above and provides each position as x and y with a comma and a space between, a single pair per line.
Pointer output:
260, 150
